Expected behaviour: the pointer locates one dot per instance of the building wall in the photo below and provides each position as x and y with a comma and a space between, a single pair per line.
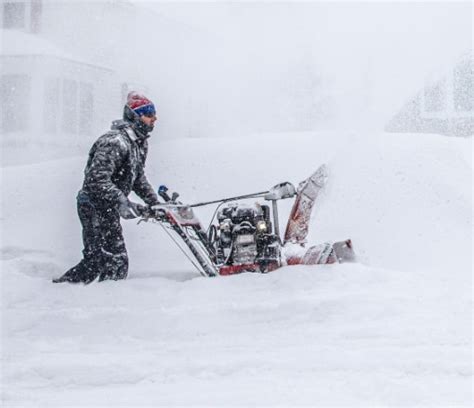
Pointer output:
53, 96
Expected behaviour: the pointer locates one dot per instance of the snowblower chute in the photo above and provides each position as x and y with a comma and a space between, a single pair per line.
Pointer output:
245, 237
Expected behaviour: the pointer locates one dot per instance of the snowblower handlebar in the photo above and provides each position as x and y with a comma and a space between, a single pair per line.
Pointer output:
223, 200
277, 192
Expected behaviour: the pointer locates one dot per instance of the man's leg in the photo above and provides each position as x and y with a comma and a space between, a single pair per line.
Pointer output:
90, 266
114, 253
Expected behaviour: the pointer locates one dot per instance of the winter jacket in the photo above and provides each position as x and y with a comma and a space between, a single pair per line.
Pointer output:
116, 166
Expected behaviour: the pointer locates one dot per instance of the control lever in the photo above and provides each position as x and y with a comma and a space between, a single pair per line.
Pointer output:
162, 192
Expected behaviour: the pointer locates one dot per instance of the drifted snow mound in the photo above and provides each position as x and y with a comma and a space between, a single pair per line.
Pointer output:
392, 329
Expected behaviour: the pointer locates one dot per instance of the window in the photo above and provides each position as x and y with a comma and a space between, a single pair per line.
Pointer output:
15, 96
86, 107
435, 97
14, 14
51, 105
462, 86
69, 105
21, 14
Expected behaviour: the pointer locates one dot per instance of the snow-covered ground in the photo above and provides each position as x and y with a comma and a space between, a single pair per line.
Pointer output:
393, 329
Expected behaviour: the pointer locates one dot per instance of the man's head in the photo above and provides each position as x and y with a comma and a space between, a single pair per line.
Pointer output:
140, 111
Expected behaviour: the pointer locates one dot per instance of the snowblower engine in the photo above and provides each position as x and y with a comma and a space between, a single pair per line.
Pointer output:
244, 238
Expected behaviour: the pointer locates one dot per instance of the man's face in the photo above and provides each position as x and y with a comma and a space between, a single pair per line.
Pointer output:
148, 120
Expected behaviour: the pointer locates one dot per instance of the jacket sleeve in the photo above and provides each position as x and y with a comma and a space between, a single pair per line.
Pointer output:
142, 186
105, 157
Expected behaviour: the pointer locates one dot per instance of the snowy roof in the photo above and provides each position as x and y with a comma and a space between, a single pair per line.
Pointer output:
18, 43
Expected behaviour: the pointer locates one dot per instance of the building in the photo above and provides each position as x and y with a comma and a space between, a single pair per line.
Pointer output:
67, 66
443, 106
45, 89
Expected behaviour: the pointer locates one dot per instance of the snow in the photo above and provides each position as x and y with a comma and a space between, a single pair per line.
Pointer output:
395, 328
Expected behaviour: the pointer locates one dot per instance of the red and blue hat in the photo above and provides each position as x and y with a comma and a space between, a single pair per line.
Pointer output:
140, 104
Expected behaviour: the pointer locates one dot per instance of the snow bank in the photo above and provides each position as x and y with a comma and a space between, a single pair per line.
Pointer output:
393, 329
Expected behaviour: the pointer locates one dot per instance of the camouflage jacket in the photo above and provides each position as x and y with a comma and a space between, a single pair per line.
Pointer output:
116, 166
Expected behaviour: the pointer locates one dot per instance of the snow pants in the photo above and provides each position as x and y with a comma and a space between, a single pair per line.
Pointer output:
104, 253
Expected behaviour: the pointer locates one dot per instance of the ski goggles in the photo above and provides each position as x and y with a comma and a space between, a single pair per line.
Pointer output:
146, 110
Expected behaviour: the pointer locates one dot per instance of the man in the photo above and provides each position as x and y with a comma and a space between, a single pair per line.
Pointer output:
115, 168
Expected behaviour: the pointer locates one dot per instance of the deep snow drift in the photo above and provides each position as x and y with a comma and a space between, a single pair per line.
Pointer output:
393, 329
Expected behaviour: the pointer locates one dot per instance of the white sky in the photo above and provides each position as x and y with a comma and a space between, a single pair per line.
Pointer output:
392, 47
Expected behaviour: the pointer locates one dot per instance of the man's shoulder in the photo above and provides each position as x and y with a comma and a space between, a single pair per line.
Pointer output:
120, 125
114, 138
125, 128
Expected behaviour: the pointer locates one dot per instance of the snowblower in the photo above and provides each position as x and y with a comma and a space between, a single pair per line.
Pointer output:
246, 238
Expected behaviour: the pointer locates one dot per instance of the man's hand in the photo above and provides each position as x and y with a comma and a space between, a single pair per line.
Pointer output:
129, 210
153, 203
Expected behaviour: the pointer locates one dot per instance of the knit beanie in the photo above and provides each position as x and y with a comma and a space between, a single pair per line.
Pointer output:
140, 104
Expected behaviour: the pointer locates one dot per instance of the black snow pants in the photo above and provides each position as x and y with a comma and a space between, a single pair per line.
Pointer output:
104, 253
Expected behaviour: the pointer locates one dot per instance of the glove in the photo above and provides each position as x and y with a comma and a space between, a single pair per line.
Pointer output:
128, 209
153, 203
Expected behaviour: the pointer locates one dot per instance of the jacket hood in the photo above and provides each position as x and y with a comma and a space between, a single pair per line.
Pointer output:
121, 124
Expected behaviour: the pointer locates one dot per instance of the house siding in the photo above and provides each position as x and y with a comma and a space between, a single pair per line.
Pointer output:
444, 107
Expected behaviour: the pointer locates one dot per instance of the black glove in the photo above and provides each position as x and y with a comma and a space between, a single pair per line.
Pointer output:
128, 209
152, 203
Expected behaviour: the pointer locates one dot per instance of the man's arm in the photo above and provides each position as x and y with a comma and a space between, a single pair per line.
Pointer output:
142, 186
144, 190
106, 157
